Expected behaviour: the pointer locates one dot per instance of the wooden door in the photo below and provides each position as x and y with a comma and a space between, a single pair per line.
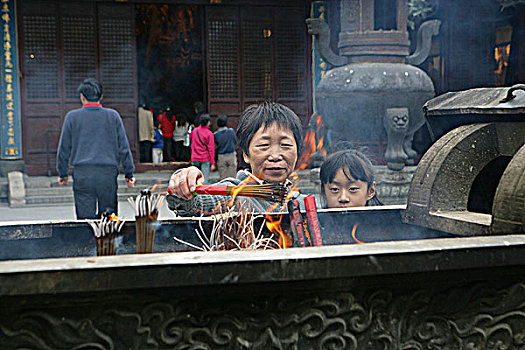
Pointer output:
61, 44
255, 54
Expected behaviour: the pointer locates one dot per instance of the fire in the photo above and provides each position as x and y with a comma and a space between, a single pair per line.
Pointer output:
307, 233
313, 142
274, 226
238, 188
320, 142
354, 231
113, 217
308, 150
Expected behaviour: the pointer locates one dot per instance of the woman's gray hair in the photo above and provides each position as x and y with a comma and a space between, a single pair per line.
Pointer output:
265, 114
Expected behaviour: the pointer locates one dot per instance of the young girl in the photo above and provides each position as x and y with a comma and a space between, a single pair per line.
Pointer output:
347, 180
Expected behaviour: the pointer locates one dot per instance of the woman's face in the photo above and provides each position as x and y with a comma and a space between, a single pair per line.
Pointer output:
272, 153
344, 192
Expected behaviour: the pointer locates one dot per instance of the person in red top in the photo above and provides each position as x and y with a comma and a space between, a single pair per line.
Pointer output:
167, 124
203, 147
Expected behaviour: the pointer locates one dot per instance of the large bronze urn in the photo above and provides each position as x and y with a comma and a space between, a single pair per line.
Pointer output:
375, 94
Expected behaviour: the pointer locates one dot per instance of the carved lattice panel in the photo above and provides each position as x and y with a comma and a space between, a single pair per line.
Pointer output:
116, 51
257, 58
79, 52
223, 42
471, 316
291, 59
40, 57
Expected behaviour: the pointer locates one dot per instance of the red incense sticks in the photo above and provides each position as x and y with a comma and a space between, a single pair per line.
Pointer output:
271, 192
313, 222
296, 223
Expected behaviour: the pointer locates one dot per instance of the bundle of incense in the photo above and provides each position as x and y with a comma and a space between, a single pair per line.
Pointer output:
271, 192
147, 206
296, 223
313, 221
146, 203
106, 230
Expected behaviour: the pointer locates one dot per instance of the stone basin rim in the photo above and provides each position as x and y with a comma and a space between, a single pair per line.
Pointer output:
193, 258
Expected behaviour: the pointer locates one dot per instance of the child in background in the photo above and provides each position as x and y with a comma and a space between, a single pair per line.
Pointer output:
225, 141
167, 125
347, 180
158, 145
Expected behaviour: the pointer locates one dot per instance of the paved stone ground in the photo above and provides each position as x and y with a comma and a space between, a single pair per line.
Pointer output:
61, 212
66, 211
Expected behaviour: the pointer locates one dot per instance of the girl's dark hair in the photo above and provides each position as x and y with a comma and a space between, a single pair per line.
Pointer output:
222, 120
181, 117
354, 164
91, 89
265, 114
170, 115
205, 118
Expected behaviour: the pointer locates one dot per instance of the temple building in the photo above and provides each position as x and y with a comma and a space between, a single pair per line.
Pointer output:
226, 53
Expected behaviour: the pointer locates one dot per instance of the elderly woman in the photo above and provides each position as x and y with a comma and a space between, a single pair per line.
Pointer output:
270, 138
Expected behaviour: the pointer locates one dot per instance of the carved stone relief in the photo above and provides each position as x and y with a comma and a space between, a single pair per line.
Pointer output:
474, 316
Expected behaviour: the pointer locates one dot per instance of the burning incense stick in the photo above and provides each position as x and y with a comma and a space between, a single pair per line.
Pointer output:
146, 206
271, 192
232, 230
106, 230
313, 221
296, 223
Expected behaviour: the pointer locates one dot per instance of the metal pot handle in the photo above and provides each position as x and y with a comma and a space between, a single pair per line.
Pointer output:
510, 94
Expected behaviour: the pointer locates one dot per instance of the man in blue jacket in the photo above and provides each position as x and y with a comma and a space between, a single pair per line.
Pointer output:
94, 141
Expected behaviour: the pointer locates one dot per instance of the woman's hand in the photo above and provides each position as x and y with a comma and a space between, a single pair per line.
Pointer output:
184, 181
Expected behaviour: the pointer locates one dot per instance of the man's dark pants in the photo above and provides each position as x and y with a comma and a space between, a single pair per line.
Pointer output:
145, 151
95, 190
167, 151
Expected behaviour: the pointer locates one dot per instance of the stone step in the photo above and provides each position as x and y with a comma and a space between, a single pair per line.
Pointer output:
64, 199
49, 199
46, 190
307, 190
3, 191
143, 182
56, 191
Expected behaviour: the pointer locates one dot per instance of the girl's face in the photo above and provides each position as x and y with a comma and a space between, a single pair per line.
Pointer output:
343, 192
273, 153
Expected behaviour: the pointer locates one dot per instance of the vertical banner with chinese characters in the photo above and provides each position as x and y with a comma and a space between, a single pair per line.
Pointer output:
319, 10
11, 133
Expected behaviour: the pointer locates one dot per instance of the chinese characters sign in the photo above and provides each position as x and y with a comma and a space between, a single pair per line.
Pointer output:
11, 138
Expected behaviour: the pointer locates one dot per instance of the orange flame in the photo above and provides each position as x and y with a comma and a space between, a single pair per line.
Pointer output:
354, 230
113, 217
307, 233
308, 150
274, 226
310, 144
235, 191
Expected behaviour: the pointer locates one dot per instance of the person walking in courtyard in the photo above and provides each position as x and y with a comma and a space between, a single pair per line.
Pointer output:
179, 133
203, 147
146, 133
225, 141
167, 125
94, 142
198, 108
158, 145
